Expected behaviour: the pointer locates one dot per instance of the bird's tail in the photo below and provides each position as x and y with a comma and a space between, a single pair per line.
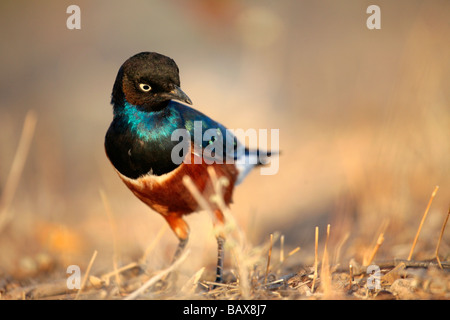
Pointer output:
251, 159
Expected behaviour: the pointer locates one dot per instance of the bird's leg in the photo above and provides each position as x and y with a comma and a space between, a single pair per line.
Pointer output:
220, 257
181, 230
220, 236
180, 249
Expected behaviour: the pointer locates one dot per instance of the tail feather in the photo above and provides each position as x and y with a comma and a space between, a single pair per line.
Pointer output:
251, 159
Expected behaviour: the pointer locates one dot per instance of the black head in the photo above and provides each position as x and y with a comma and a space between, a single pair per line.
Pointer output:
148, 80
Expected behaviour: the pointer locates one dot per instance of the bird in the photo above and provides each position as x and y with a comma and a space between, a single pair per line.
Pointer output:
148, 107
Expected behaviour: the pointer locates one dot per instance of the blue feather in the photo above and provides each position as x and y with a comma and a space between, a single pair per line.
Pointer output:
155, 130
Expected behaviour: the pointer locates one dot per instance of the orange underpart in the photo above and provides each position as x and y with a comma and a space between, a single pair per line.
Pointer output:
168, 195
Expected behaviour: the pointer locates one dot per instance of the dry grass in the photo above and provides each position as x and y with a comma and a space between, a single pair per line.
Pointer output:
254, 273
363, 118
15, 173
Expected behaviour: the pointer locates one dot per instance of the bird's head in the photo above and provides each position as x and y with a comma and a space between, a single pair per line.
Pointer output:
148, 80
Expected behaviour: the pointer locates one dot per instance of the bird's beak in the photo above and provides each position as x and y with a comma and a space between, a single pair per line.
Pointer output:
178, 94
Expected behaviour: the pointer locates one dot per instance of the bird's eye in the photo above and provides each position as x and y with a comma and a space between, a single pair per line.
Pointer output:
145, 87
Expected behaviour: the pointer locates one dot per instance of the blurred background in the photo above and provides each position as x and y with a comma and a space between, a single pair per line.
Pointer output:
363, 118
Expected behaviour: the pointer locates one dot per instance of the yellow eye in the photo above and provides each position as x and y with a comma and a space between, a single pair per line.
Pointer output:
145, 87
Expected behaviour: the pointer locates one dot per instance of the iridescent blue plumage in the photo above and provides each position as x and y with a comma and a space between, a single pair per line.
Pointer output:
149, 126
140, 141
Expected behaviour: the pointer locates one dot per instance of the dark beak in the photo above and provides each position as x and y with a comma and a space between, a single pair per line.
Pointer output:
178, 94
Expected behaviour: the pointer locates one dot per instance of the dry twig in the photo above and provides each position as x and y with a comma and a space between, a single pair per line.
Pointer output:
375, 249
157, 277
114, 235
421, 222
268, 259
325, 274
440, 238
316, 258
86, 276
17, 167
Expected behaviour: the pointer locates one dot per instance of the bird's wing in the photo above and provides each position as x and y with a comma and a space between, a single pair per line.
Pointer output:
210, 138
215, 143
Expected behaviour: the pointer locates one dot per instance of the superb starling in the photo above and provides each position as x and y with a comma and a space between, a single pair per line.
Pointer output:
140, 144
